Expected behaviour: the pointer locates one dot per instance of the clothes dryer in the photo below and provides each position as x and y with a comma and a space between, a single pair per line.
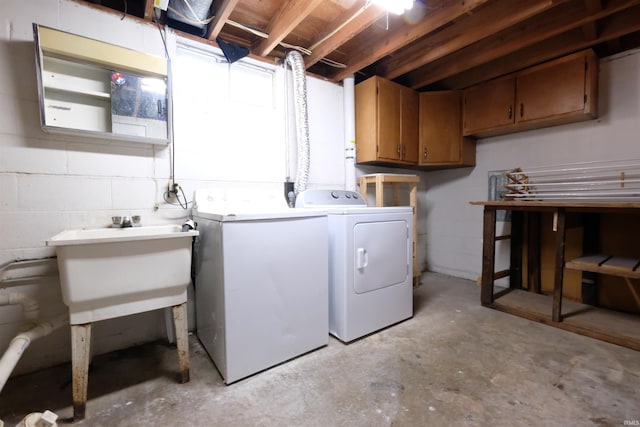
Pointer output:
370, 262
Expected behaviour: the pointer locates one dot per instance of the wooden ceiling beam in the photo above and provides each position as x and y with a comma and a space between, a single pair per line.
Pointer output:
612, 28
351, 23
221, 13
288, 17
590, 29
545, 26
492, 18
433, 20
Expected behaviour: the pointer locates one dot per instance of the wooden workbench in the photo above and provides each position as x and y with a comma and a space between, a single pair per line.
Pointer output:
600, 323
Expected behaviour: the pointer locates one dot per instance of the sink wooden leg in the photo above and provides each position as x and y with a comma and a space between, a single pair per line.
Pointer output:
80, 355
182, 339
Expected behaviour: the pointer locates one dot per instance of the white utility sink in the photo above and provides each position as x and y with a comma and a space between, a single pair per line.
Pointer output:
112, 272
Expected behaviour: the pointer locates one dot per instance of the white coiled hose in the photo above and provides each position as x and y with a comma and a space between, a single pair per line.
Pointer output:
295, 60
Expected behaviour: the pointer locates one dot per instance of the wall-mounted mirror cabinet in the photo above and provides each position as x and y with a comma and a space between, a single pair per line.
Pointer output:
99, 89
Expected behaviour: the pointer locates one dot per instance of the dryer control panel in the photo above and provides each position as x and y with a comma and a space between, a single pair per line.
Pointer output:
315, 198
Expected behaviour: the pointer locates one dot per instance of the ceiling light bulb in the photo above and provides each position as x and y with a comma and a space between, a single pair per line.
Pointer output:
395, 6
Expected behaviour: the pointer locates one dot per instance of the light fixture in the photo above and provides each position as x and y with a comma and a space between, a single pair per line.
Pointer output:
395, 6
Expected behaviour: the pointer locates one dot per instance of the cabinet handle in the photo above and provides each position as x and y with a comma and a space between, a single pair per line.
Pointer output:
521, 110
510, 111
424, 154
404, 151
398, 149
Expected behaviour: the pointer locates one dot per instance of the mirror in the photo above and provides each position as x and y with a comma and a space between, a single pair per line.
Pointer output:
106, 91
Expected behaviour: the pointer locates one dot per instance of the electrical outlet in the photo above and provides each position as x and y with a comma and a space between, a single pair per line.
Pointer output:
173, 187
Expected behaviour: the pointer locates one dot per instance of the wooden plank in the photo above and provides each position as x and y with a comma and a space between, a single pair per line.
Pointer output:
494, 17
351, 23
599, 323
221, 13
555, 204
394, 40
543, 27
148, 10
604, 264
292, 13
614, 27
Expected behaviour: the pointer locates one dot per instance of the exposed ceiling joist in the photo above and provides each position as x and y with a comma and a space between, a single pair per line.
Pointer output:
439, 44
287, 18
486, 21
352, 22
221, 13
438, 18
612, 28
543, 27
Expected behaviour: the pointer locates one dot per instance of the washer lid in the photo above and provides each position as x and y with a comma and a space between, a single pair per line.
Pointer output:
257, 215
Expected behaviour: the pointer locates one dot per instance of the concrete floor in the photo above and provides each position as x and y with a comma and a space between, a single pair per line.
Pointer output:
453, 363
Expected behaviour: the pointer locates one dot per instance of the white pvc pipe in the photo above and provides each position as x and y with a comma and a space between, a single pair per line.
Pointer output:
348, 87
21, 341
29, 305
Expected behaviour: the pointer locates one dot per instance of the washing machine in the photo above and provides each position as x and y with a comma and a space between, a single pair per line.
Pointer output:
370, 262
261, 288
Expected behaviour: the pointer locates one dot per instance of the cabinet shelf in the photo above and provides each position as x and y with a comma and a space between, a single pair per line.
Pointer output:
77, 91
606, 264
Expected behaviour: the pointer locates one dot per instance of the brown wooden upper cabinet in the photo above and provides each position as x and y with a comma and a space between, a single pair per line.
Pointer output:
440, 134
557, 92
386, 122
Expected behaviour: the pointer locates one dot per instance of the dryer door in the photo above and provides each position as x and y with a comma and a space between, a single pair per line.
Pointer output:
381, 254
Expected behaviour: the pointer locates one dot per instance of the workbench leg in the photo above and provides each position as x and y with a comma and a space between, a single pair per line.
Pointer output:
182, 339
560, 229
533, 252
515, 263
488, 255
80, 356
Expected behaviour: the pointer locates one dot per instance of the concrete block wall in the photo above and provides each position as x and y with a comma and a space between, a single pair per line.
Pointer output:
53, 182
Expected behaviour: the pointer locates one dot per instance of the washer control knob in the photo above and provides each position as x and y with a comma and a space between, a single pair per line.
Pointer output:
355, 196
347, 195
334, 195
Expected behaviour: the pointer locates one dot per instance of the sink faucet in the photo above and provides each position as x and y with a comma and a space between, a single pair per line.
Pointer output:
125, 221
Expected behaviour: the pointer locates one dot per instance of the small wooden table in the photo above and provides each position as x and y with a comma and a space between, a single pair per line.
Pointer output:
607, 325
379, 179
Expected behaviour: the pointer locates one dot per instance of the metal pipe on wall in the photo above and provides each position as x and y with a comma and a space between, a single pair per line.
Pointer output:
348, 86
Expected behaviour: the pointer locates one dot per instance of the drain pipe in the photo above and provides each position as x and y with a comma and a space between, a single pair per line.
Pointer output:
348, 87
295, 60
31, 330
21, 341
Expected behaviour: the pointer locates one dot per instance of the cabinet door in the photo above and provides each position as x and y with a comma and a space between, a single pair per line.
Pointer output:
389, 120
409, 125
488, 106
366, 100
441, 140
551, 90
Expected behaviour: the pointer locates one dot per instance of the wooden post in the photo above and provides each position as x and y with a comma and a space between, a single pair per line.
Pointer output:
488, 255
560, 229
534, 280
515, 264
80, 356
